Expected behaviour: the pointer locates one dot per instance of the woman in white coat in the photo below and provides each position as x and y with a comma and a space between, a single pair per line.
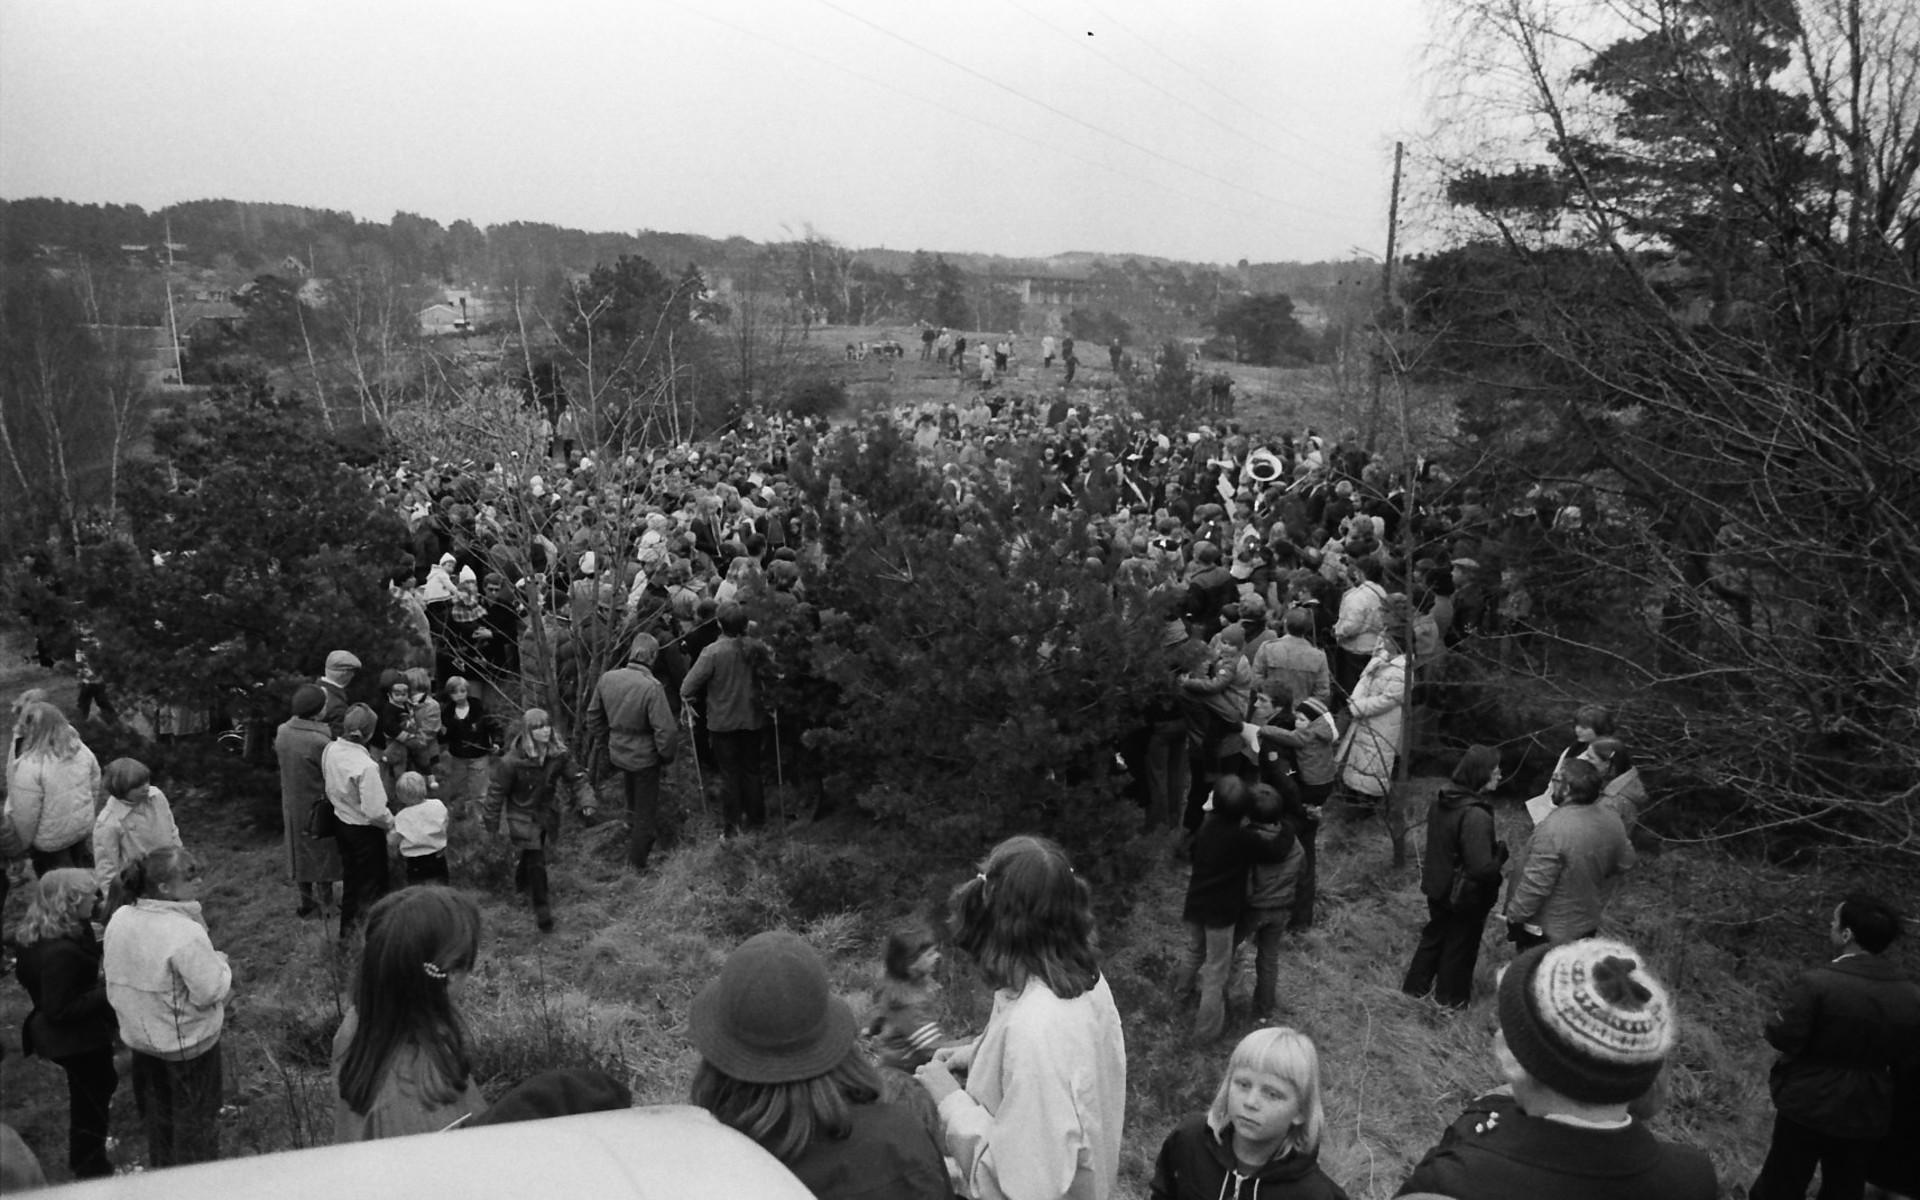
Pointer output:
1378, 707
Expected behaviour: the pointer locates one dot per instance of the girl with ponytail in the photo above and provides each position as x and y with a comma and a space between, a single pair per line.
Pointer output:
1041, 1110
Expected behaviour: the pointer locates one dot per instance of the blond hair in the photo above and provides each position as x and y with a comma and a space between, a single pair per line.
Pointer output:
1290, 1055
63, 900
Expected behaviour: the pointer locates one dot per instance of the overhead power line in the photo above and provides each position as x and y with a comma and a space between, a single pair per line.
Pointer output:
1093, 47
1217, 90
1080, 121
975, 119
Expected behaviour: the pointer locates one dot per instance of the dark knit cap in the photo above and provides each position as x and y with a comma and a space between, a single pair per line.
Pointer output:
1587, 1019
308, 700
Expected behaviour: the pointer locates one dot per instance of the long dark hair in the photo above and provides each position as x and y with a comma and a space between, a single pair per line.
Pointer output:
416, 939
786, 1118
1026, 914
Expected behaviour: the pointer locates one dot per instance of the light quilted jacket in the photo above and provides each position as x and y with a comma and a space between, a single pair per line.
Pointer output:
51, 801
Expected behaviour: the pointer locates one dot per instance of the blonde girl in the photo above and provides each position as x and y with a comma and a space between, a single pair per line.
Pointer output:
1263, 1128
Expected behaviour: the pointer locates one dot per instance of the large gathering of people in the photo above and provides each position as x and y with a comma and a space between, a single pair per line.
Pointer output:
1302, 594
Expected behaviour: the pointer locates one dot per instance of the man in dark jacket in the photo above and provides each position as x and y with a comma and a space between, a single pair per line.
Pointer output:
632, 729
1209, 589
1845, 1030
1584, 1030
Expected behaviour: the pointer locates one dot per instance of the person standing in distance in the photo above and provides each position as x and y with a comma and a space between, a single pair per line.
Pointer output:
723, 690
1845, 1032
633, 730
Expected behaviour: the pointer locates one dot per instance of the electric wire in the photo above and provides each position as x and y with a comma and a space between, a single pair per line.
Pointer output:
1080, 121
1092, 46
975, 119
1150, 44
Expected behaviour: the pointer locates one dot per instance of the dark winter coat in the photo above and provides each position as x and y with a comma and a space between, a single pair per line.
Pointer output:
527, 794
1460, 839
1495, 1151
1223, 851
887, 1155
1843, 1031
70, 1014
1195, 1163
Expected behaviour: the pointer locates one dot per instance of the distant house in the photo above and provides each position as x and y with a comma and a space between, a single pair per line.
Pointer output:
292, 265
440, 319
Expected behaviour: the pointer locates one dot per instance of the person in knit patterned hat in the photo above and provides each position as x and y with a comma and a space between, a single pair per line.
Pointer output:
1584, 1030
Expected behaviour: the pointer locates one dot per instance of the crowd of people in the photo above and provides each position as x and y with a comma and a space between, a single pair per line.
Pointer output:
1301, 592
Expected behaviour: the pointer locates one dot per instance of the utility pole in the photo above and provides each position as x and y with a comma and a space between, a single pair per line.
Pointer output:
173, 323
1386, 292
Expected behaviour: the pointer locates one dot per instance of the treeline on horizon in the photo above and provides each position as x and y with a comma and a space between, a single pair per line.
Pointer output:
251, 236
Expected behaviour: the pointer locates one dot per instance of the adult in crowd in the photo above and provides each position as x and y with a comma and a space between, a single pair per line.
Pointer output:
1847, 1031
723, 692
354, 788
313, 863
135, 821
1359, 627
1293, 659
51, 790
1046, 1082
529, 782
780, 1061
1584, 1030
1576, 853
169, 987
1378, 707
633, 731
1461, 879
71, 1023
341, 666
401, 1063
469, 734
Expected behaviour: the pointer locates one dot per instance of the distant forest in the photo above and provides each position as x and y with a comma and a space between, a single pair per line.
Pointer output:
238, 240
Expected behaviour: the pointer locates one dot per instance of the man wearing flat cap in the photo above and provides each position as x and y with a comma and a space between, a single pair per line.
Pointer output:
341, 664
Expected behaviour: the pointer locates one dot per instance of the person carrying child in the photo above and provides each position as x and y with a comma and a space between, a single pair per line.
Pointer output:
905, 1017
135, 821
419, 830
1307, 732
1270, 893
169, 987
1223, 851
1263, 1128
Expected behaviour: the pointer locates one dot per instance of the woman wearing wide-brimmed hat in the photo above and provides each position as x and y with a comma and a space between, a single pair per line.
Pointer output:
779, 1062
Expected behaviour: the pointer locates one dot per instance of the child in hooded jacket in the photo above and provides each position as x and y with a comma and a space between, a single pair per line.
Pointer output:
1260, 1139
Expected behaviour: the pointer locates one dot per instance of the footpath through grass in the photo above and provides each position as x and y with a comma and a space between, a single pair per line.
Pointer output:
613, 984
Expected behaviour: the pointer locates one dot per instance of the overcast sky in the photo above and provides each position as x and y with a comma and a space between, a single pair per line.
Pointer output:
1211, 130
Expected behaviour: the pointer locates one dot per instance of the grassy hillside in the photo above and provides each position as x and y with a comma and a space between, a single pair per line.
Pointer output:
612, 985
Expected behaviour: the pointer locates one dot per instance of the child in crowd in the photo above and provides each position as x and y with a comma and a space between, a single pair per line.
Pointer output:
1223, 850
1270, 892
905, 1005
1263, 1128
1621, 791
169, 987
71, 1023
400, 1060
419, 830
135, 821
